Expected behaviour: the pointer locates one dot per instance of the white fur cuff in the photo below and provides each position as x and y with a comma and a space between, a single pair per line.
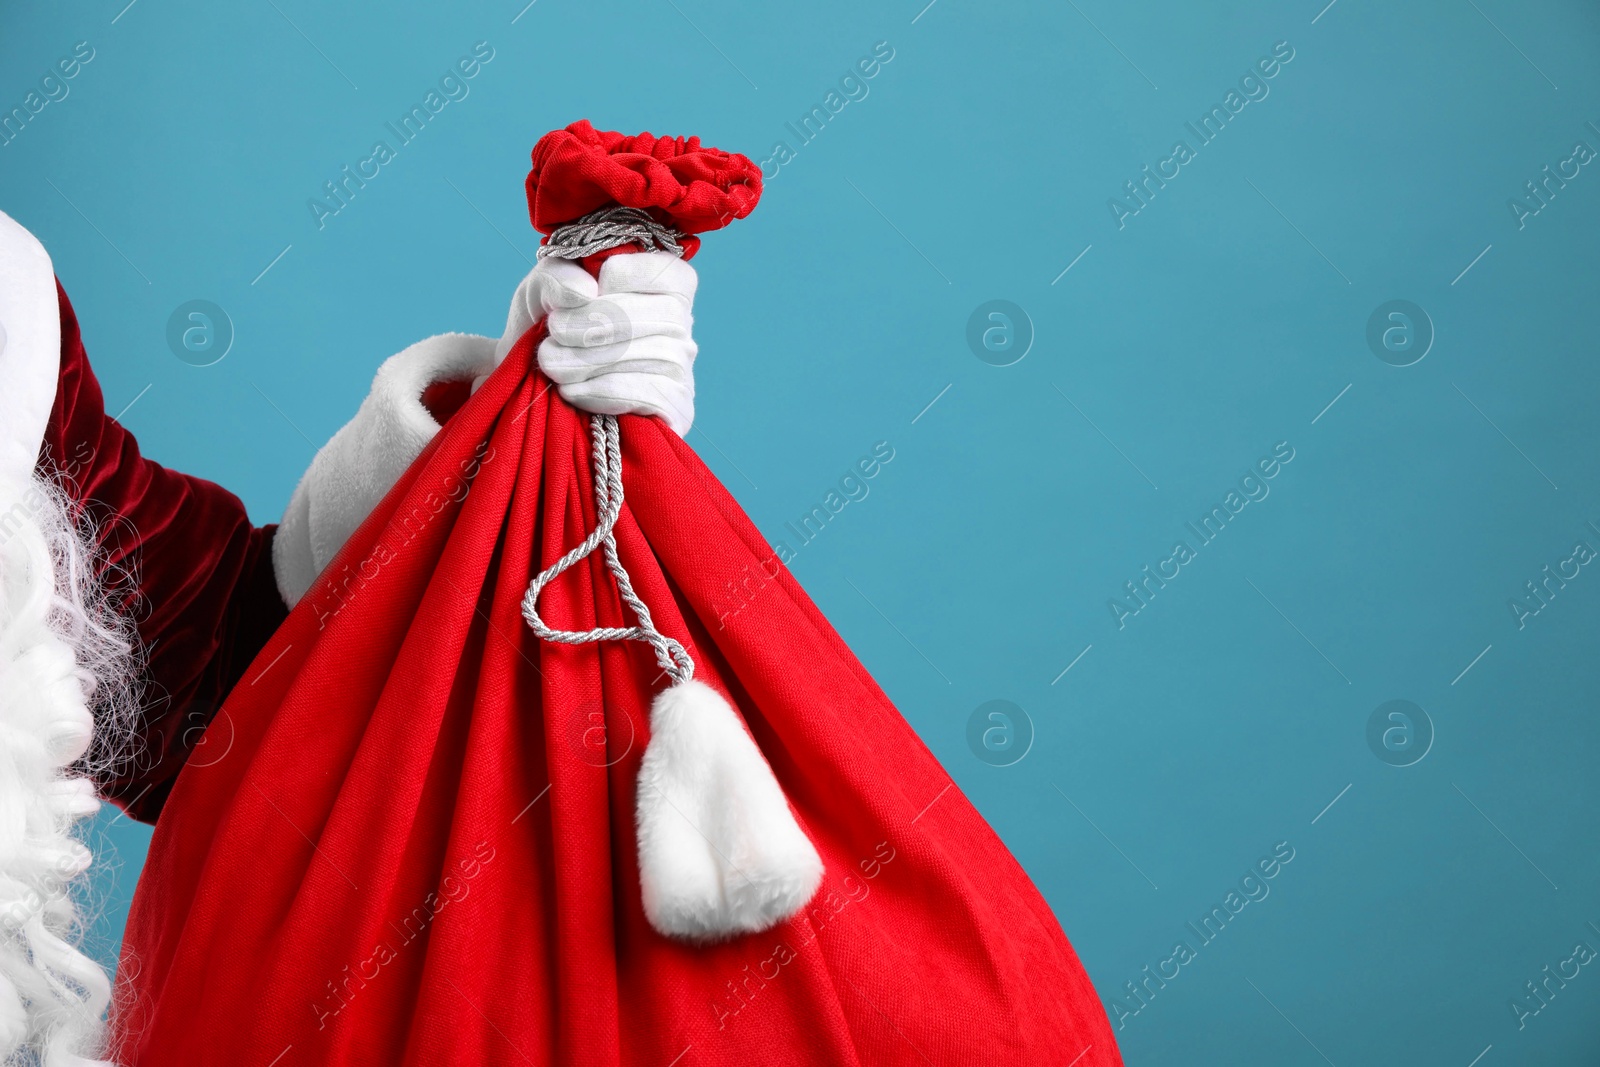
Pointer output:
30, 351
353, 471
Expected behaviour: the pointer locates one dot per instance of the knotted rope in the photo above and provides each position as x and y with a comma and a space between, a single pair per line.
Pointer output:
608, 228
574, 241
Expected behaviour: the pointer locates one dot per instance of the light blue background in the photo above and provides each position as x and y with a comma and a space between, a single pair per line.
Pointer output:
1207, 330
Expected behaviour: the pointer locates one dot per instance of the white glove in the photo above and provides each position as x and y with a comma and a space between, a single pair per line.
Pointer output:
619, 345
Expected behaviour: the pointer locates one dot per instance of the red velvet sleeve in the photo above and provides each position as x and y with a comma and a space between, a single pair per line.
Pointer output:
205, 600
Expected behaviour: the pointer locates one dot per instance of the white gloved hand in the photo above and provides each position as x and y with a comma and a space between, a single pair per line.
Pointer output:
619, 345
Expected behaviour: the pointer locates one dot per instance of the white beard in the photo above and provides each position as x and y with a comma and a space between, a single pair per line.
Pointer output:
67, 669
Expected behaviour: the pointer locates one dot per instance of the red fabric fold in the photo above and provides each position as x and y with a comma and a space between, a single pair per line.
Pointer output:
691, 187
408, 837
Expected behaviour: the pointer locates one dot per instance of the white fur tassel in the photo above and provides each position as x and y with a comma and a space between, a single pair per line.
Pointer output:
720, 853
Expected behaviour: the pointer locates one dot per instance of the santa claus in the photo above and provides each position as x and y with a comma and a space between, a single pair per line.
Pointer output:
422, 795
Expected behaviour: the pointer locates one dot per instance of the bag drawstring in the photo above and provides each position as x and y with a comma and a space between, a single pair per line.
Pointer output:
673, 657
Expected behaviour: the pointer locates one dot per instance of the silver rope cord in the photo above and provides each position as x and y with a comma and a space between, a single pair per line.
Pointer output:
606, 444
608, 228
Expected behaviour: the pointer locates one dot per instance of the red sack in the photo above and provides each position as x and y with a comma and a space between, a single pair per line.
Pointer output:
409, 839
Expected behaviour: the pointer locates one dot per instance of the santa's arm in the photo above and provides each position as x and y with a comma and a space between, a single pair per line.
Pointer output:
200, 574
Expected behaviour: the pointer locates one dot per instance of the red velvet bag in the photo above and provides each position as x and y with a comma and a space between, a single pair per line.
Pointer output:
408, 837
